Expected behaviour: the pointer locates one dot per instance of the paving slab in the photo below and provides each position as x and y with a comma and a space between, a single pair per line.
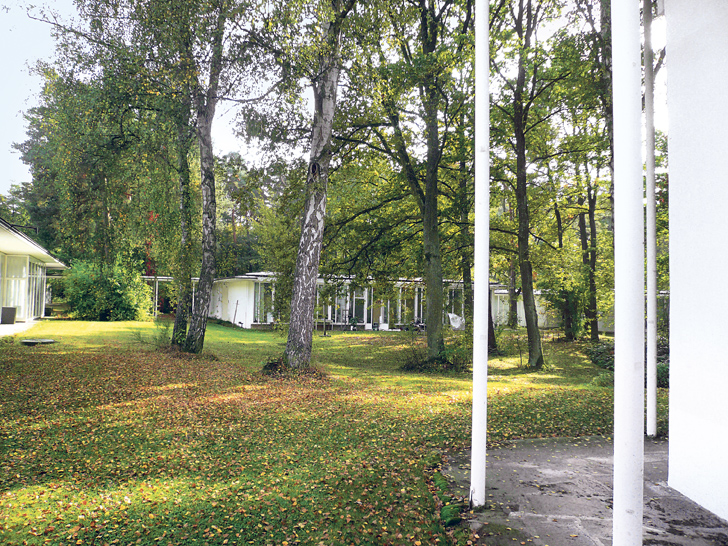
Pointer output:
558, 492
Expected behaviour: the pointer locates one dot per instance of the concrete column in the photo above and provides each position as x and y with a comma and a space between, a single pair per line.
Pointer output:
629, 275
481, 259
651, 241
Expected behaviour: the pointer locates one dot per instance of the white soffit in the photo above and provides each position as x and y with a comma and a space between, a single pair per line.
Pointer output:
14, 243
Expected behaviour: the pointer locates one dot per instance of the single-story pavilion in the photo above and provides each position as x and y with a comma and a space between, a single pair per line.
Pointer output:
247, 301
23, 267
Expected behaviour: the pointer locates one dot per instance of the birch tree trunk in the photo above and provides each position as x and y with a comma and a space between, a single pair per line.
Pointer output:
205, 103
198, 323
303, 298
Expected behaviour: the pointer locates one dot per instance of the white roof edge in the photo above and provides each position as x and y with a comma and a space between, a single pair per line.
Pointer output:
15, 243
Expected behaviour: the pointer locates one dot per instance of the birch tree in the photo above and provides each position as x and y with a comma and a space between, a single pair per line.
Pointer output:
324, 84
190, 53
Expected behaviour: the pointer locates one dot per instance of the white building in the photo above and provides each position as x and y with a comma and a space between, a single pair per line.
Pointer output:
23, 267
697, 45
247, 301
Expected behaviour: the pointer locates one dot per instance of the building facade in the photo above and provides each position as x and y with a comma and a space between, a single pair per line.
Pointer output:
23, 268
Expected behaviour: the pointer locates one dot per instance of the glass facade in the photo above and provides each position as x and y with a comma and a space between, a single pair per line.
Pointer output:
23, 286
263, 303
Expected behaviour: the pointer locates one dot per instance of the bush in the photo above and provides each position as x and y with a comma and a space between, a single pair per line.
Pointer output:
602, 355
604, 379
663, 376
112, 293
510, 342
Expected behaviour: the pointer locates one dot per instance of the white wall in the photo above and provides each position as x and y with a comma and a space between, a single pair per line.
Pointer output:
698, 146
232, 300
547, 317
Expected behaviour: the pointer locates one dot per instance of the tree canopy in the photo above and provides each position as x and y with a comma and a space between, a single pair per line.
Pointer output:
363, 112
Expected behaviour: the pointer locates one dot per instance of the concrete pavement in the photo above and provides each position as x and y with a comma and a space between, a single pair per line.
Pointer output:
17, 328
558, 492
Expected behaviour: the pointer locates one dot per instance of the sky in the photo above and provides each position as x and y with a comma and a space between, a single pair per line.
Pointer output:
24, 42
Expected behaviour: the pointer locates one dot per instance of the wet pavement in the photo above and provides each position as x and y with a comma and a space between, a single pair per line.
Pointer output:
558, 492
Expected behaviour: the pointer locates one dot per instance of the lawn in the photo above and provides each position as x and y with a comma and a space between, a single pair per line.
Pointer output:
106, 440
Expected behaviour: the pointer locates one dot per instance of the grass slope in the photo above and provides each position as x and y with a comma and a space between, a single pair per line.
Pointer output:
104, 440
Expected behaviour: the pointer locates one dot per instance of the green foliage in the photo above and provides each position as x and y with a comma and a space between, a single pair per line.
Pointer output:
602, 355
663, 376
455, 358
510, 342
604, 379
161, 338
111, 293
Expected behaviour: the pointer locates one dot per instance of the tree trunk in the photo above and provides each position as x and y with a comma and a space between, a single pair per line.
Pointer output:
605, 89
569, 308
303, 298
205, 103
492, 341
512, 296
535, 353
431, 232
520, 115
466, 241
184, 280
198, 323
592, 316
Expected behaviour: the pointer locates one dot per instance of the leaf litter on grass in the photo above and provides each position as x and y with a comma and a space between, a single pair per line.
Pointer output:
127, 446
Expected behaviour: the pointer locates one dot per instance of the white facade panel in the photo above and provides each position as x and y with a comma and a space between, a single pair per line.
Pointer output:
698, 139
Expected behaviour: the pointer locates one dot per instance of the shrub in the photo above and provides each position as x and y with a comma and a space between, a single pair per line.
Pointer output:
602, 355
663, 376
604, 379
111, 293
510, 342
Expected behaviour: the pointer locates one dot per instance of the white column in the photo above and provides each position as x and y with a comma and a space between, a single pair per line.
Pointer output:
651, 242
651, 224
481, 259
629, 275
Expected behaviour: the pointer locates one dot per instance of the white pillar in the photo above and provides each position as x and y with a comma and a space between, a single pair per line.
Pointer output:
481, 259
651, 224
629, 275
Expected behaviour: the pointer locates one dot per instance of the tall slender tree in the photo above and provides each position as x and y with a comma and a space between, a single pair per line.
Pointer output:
526, 101
324, 83
186, 56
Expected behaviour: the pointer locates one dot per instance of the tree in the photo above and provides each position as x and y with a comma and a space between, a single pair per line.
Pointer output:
239, 201
525, 103
399, 106
324, 83
191, 54
79, 152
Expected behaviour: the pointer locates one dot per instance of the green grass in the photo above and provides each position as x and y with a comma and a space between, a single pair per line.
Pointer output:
105, 440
